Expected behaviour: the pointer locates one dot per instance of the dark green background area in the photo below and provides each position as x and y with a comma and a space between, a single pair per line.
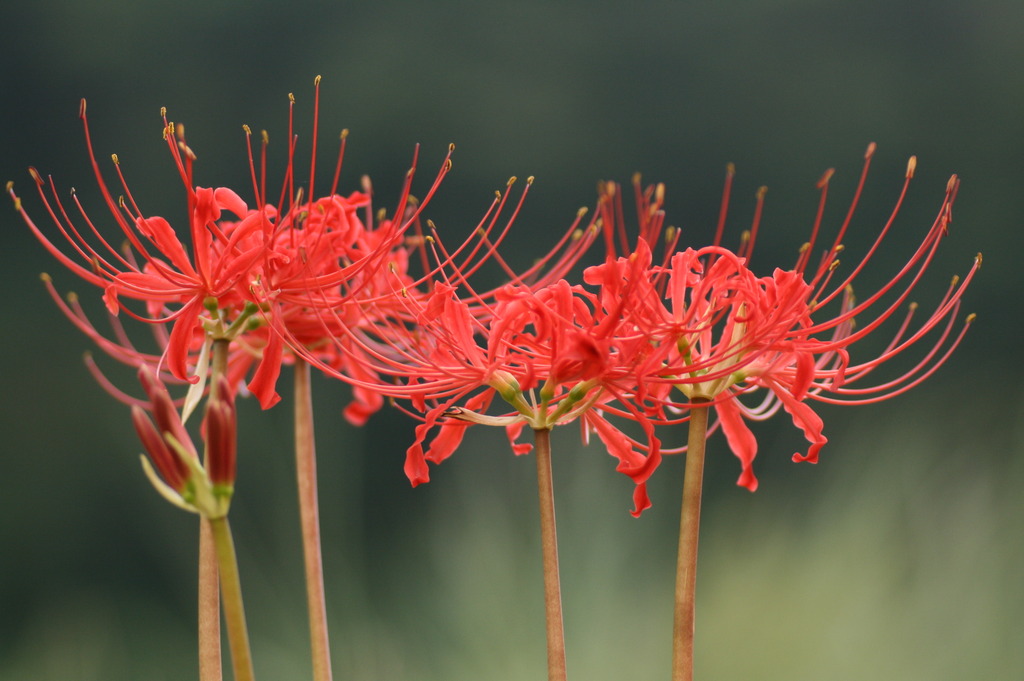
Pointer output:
896, 557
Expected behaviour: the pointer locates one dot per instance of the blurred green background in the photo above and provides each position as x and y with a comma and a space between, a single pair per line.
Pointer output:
897, 557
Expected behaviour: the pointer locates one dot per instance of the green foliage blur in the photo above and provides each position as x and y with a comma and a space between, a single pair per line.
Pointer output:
896, 557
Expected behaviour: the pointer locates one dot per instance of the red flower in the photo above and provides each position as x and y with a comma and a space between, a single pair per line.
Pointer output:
268, 278
791, 334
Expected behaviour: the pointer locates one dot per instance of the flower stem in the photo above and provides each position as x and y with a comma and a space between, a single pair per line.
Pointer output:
549, 550
210, 656
305, 466
234, 613
209, 607
689, 527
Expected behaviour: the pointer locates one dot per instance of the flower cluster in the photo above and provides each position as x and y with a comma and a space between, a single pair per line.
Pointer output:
643, 340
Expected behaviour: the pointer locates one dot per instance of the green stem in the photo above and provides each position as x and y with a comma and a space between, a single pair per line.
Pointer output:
305, 466
234, 612
210, 655
209, 607
689, 527
549, 551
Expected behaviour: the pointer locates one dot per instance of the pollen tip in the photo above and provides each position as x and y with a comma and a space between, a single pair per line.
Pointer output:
582, 211
911, 166
35, 175
316, 81
511, 181
529, 180
825, 177
761, 191
113, 157
291, 98
951, 184
497, 194
451, 147
248, 130
977, 259
72, 297
163, 111
970, 318
81, 108
266, 136
45, 276
730, 169
804, 247
431, 225
870, 150
344, 133
913, 306
636, 177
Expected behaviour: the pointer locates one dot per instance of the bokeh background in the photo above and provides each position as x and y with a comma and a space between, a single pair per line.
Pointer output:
897, 557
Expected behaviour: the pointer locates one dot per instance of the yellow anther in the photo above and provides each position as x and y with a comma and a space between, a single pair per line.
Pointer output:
248, 131
870, 150
825, 177
316, 81
911, 166
970, 318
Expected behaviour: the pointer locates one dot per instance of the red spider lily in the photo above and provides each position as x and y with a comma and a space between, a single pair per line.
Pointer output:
246, 274
699, 321
792, 333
